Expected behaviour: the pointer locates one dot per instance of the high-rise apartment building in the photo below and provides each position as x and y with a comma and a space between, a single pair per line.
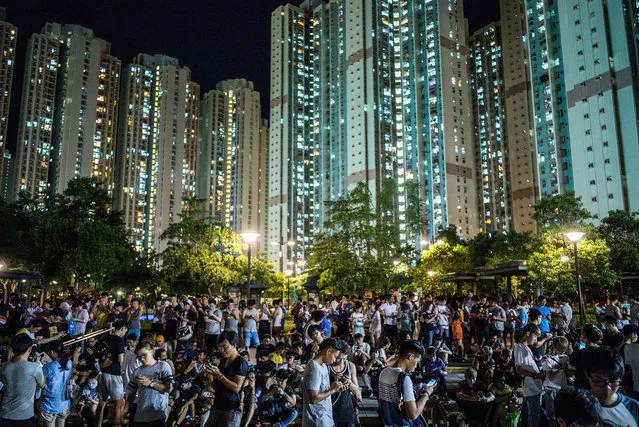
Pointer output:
69, 111
548, 89
211, 169
75, 107
373, 92
8, 172
600, 55
8, 41
106, 120
191, 141
152, 143
583, 62
519, 128
37, 113
232, 157
491, 145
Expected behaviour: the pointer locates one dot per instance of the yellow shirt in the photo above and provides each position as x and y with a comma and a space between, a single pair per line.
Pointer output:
277, 359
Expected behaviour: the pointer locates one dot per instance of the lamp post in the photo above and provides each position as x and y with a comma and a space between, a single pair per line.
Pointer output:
574, 237
288, 287
249, 238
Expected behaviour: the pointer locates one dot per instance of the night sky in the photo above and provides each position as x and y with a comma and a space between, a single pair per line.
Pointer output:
216, 39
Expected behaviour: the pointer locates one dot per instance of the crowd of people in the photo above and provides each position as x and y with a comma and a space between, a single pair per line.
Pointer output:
218, 362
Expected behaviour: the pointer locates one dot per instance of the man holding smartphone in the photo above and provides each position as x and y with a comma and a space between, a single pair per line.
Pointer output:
398, 405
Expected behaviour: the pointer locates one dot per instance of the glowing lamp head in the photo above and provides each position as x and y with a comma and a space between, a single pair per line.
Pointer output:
574, 236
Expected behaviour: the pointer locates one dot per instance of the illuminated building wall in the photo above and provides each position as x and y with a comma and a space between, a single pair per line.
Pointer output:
75, 106
106, 119
35, 131
602, 106
191, 141
522, 159
292, 213
151, 147
133, 151
359, 93
8, 41
551, 132
232, 162
211, 181
491, 153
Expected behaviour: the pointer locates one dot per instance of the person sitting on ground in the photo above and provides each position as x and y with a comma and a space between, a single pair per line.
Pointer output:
471, 397
500, 394
442, 350
434, 368
604, 370
277, 404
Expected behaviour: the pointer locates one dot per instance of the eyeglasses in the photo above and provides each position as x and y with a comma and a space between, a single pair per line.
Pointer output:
224, 346
604, 383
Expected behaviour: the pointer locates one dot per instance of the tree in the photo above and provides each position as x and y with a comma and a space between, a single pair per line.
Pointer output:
360, 246
203, 256
551, 265
621, 231
71, 237
559, 211
438, 261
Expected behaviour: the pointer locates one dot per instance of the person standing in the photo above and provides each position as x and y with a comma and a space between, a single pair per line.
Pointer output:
55, 403
526, 366
134, 313
605, 369
389, 310
278, 319
544, 325
212, 327
251, 337
317, 389
20, 378
111, 383
227, 382
151, 383
398, 405
343, 402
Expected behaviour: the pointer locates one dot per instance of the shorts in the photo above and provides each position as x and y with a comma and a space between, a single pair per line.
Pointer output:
251, 339
534, 409
277, 331
110, 387
51, 419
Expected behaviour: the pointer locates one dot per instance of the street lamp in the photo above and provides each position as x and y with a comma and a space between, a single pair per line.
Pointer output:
574, 237
288, 287
249, 238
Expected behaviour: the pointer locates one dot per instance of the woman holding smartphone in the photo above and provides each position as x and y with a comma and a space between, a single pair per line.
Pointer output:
344, 371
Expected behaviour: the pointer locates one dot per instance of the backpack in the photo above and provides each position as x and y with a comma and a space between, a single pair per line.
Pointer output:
420, 421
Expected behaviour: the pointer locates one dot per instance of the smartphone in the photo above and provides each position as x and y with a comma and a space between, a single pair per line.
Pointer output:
431, 383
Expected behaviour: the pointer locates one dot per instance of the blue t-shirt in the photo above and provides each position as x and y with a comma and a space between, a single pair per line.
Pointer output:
545, 314
52, 400
326, 326
523, 316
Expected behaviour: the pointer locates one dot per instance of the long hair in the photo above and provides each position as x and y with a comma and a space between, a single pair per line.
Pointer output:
64, 354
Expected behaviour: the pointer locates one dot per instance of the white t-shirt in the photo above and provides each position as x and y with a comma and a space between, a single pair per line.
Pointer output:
318, 414
358, 320
389, 310
376, 322
443, 319
81, 327
524, 357
277, 317
551, 362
